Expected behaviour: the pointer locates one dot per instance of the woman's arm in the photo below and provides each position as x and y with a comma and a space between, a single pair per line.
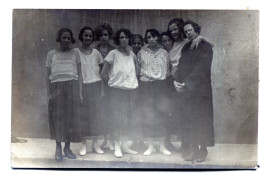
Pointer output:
80, 81
105, 70
48, 83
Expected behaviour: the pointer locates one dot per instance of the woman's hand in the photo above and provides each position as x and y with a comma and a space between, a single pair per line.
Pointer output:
81, 97
195, 42
180, 87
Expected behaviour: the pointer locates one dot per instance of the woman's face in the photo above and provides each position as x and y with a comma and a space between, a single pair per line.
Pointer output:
174, 30
152, 40
104, 36
190, 32
65, 40
137, 44
166, 42
123, 39
87, 37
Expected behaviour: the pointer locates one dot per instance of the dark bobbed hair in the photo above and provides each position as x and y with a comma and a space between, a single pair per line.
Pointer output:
101, 28
82, 30
196, 26
166, 33
63, 30
180, 24
139, 36
154, 33
127, 32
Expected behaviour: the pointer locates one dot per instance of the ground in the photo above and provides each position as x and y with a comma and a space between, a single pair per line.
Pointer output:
39, 153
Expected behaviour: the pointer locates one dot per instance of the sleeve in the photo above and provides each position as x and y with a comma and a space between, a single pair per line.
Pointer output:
77, 55
48, 60
136, 62
110, 57
201, 71
100, 58
167, 62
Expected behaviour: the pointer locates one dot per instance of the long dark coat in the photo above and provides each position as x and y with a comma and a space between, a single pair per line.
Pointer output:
194, 70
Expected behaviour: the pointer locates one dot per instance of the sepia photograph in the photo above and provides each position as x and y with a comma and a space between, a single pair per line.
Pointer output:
134, 89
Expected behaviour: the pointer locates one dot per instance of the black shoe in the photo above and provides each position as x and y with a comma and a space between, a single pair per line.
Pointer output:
68, 153
192, 155
202, 154
58, 154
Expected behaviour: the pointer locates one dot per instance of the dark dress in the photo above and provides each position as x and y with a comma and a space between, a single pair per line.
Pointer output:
194, 70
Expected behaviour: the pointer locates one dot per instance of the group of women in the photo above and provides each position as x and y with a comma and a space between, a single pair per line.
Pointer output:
138, 90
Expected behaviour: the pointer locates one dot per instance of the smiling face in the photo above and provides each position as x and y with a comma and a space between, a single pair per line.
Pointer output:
87, 37
137, 45
175, 32
166, 42
123, 39
65, 40
152, 40
190, 32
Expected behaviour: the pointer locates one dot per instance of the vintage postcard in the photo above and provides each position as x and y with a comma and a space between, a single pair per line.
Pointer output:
135, 89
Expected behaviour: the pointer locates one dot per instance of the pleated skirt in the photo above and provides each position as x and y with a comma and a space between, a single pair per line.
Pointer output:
125, 113
63, 108
91, 110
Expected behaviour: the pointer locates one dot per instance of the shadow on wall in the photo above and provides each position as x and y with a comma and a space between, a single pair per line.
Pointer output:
247, 133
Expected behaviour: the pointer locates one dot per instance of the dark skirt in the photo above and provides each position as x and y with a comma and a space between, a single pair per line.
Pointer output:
107, 110
154, 108
64, 111
90, 110
197, 121
173, 108
125, 112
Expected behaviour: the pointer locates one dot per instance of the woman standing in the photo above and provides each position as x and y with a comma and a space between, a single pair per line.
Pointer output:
192, 81
63, 95
90, 90
104, 33
153, 70
119, 64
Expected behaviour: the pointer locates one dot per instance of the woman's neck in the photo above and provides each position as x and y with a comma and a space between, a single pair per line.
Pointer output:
102, 44
180, 38
63, 49
123, 50
86, 47
154, 48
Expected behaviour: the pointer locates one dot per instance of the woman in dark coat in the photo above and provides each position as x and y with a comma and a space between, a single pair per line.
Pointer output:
192, 81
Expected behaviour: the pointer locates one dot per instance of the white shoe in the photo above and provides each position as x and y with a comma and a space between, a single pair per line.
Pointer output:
83, 150
149, 151
111, 145
118, 154
164, 151
126, 149
97, 149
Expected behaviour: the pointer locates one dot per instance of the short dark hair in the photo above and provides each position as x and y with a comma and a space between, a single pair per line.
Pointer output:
180, 24
196, 26
62, 30
139, 36
127, 32
154, 33
166, 33
101, 28
82, 30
